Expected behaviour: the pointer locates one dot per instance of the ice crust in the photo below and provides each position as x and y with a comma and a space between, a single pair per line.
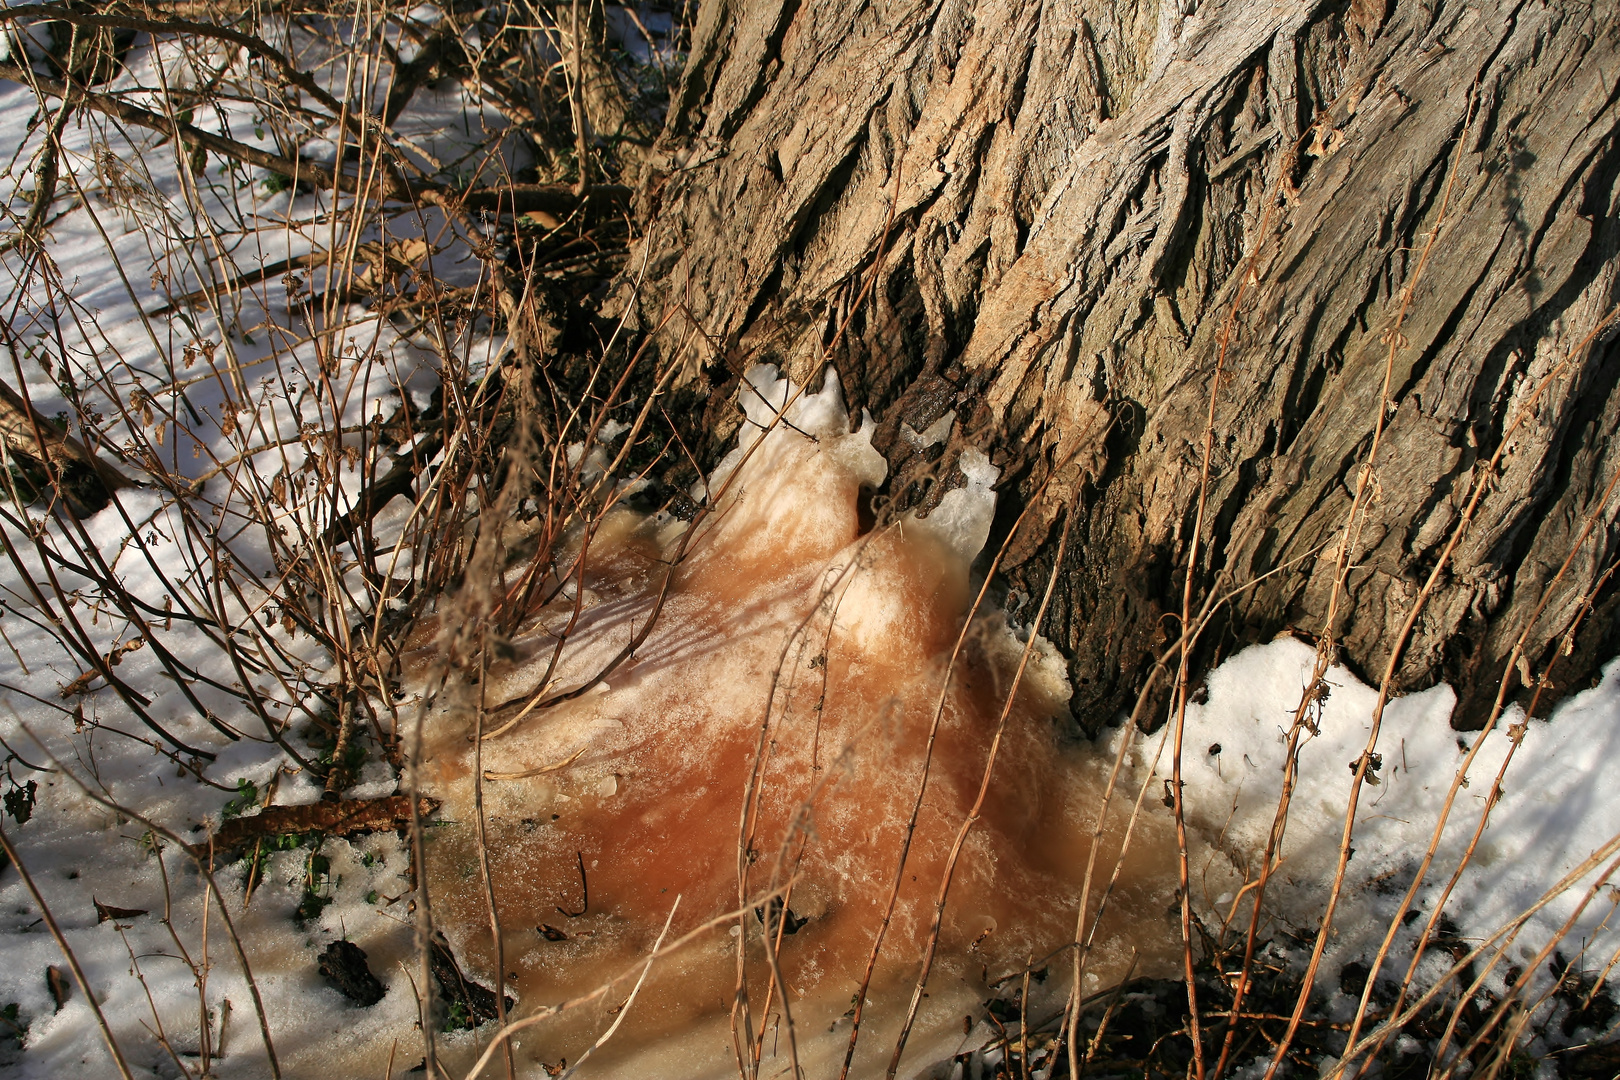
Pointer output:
770, 404
962, 519
658, 757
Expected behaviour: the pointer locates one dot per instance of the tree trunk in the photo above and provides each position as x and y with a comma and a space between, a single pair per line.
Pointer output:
1053, 204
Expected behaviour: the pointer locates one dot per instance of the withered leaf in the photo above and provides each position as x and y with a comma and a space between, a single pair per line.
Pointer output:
108, 913
60, 988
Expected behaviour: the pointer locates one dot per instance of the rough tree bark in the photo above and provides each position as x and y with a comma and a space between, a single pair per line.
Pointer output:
1074, 187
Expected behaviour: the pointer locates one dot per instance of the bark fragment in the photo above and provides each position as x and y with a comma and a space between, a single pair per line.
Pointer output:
469, 1003
343, 964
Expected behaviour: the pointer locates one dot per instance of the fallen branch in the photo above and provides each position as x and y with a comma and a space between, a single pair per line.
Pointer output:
113, 20
379, 261
28, 432
328, 818
400, 479
559, 199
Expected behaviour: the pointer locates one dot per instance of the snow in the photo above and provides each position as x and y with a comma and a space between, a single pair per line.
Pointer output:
772, 404
1550, 814
137, 233
962, 519
1552, 811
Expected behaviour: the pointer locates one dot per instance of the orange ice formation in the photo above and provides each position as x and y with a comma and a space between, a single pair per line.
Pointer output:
794, 709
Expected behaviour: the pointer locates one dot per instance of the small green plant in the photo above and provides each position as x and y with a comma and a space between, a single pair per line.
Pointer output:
317, 873
27, 484
247, 797
309, 908
1521, 1066
12, 1025
457, 1018
354, 756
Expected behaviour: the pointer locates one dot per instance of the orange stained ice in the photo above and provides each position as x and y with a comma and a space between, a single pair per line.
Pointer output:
793, 711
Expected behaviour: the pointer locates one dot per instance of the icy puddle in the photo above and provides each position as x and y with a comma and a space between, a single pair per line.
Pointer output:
792, 710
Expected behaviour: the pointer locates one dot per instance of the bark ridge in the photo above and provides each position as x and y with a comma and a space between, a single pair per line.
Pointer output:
1054, 201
